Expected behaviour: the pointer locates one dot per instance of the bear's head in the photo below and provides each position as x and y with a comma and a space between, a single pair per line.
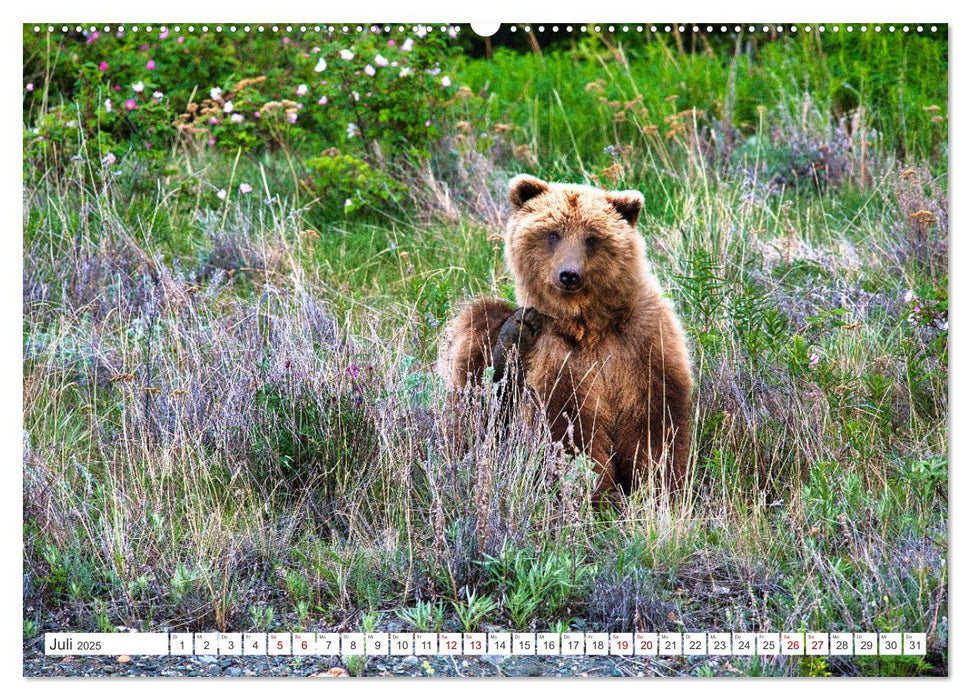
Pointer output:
574, 250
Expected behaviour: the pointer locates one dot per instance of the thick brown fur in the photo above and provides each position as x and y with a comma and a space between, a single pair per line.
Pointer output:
469, 340
611, 364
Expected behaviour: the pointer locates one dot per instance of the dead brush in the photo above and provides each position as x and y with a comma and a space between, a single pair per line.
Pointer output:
922, 225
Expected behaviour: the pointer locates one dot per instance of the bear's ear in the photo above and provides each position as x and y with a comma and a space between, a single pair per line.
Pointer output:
523, 188
629, 203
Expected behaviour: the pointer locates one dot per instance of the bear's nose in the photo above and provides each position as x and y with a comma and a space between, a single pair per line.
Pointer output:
571, 279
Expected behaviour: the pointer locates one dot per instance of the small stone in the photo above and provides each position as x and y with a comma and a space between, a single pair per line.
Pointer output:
123, 659
207, 660
527, 667
234, 671
410, 661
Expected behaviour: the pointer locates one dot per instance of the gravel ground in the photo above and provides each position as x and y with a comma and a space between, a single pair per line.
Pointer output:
36, 664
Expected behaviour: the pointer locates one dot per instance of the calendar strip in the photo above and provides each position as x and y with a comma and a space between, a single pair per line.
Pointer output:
493, 643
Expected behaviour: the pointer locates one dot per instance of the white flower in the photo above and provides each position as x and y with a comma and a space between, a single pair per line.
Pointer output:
109, 159
356, 95
407, 46
221, 194
108, 105
405, 72
909, 296
157, 95
322, 100
422, 31
236, 118
138, 87
380, 60
70, 124
435, 71
351, 130
348, 202
292, 117
228, 107
302, 89
321, 66
346, 55
216, 93
369, 70
245, 188
446, 81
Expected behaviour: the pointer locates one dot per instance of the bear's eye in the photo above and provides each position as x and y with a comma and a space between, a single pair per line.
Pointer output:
554, 238
592, 241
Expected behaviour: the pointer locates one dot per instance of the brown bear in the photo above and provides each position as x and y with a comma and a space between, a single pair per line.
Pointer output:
599, 345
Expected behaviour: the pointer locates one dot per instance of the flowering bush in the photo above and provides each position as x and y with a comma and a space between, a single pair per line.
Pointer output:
376, 96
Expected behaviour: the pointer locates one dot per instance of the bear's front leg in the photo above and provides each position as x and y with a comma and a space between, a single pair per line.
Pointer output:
515, 342
519, 331
579, 432
606, 492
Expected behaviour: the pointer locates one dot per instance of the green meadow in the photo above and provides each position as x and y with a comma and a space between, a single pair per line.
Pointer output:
239, 255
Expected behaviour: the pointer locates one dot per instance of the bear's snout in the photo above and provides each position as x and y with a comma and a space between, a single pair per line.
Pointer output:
570, 279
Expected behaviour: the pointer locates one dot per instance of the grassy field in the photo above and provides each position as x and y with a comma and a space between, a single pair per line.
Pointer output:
231, 416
